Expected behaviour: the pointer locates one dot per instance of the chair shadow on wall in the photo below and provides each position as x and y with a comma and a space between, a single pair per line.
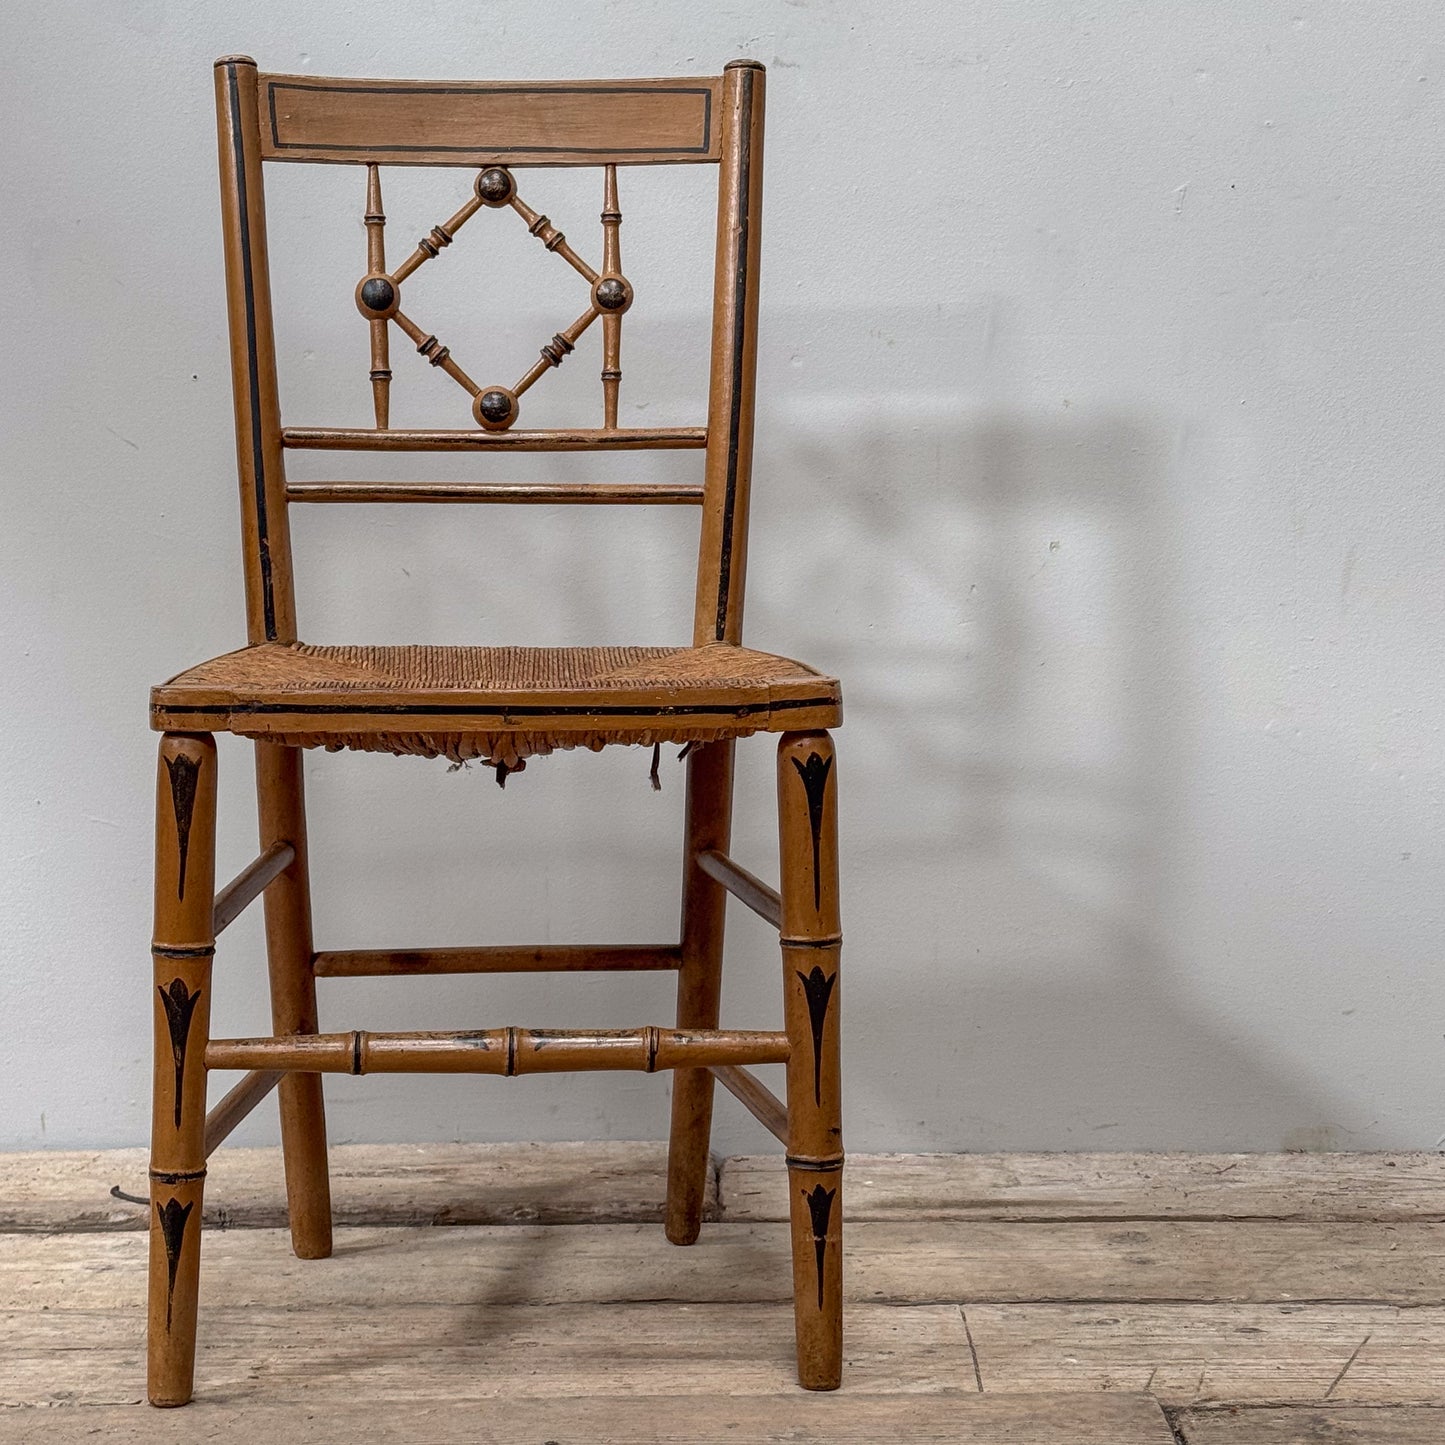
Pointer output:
1018, 739
997, 588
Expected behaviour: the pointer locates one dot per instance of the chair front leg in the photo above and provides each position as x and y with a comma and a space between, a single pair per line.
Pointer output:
811, 941
184, 943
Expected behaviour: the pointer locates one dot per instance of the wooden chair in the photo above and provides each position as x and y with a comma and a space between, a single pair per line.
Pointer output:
501, 704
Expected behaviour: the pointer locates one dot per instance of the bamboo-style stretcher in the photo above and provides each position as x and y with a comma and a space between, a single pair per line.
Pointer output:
500, 705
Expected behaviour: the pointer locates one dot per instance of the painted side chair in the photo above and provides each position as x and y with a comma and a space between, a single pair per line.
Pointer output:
498, 704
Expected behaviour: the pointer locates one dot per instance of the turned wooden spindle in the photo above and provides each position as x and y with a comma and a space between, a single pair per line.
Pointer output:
376, 267
612, 314
494, 408
551, 237
438, 238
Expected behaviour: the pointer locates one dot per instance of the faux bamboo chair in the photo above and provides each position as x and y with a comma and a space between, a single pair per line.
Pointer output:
501, 704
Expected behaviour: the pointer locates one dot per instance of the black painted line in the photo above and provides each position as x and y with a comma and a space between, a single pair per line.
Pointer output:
814, 1166
173, 1216
705, 91
184, 773
818, 989
740, 294
814, 774
503, 714
253, 375
179, 1006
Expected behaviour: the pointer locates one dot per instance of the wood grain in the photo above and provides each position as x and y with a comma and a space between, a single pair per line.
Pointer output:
1381, 1425
69, 1190
1394, 1186
480, 1352
899, 1264
475, 123
542, 958
371, 1184
1201, 1354
714, 1419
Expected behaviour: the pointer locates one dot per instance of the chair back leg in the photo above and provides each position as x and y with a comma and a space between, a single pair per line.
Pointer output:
281, 806
699, 984
811, 944
183, 946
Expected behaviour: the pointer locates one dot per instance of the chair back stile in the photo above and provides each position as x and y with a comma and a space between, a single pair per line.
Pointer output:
491, 128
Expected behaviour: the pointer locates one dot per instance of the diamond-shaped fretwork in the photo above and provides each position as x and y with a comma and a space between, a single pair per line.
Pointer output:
495, 408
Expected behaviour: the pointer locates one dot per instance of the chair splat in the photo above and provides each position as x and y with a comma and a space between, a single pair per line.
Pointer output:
494, 407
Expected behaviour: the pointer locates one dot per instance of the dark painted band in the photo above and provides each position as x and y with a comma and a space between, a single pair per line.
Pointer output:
825, 1165
201, 950
744, 709
176, 1176
832, 940
739, 338
253, 372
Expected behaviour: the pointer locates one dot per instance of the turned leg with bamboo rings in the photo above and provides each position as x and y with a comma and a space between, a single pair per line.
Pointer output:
811, 941
185, 886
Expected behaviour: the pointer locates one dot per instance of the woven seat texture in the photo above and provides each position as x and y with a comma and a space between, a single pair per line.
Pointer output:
498, 703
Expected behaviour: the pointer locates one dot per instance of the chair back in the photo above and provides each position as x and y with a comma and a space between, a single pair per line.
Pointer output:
496, 130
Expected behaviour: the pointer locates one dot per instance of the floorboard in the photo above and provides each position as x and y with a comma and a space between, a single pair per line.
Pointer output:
931, 1262
479, 1351
1008, 1299
796, 1418
1205, 1354
616, 1182
1382, 1425
1315, 1187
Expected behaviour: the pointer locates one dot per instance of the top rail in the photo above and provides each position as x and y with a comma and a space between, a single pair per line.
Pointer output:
363, 439
477, 123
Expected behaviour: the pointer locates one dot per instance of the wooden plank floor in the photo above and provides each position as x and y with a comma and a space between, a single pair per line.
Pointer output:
1017, 1299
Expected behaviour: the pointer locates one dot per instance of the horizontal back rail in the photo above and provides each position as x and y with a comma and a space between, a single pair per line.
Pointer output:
541, 958
461, 123
580, 493
579, 439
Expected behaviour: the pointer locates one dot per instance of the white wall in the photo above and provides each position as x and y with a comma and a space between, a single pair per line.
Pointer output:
1100, 455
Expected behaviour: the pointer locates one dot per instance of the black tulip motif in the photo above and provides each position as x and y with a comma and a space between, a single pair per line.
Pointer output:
180, 1006
818, 987
820, 1207
173, 1217
814, 774
184, 773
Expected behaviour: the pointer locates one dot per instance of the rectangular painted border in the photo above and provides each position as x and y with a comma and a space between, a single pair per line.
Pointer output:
274, 148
